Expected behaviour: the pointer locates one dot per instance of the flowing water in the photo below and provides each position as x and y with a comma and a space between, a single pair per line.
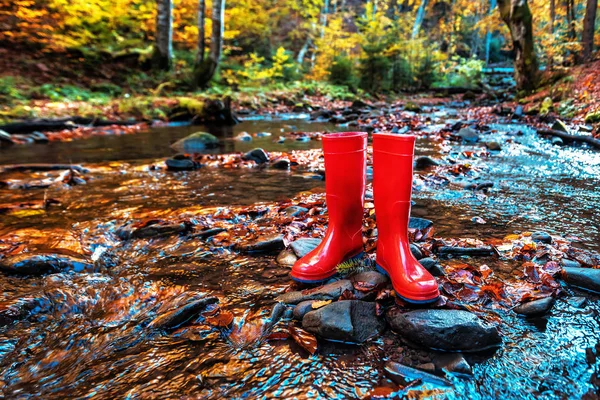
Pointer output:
86, 334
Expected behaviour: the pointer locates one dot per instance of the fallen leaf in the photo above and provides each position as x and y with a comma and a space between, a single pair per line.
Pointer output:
306, 340
319, 304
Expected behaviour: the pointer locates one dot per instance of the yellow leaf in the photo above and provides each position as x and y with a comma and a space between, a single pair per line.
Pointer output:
27, 213
319, 304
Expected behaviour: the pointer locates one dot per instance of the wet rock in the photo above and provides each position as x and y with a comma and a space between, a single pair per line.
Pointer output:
468, 135
557, 141
494, 146
286, 258
152, 229
416, 251
278, 312
243, 137
175, 318
370, 279
425, 162
303, 139
518, 112
257, 155
420, 224
542, 237
432, 266
347, 320
412, 106
262, 244
448, 330
469, 95
43, 263
302, 308
570, 263
457, 126
484, 251
331, 291
577, 302
205, 234
263, 134
402, 374
184, 164
5, 139
536, 307
560, 126
196, 142
302, 247
484, 185
358, 104
452, 362
281, 163
584, 278
295, 211
15, 310
39, 137
427, 367
325, 114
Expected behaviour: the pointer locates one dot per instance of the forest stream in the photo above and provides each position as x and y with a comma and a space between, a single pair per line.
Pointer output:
95, 331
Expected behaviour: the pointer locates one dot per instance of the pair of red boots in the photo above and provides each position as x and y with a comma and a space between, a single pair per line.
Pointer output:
345, 169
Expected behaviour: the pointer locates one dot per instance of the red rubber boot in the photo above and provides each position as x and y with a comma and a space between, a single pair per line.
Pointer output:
392, 187
345, 179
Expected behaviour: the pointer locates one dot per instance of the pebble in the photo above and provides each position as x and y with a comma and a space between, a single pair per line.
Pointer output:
286, 258
295, 211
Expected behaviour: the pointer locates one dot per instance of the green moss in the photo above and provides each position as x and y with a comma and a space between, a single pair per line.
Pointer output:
354, 266
193, 106
412, 106
547, 106
592, 117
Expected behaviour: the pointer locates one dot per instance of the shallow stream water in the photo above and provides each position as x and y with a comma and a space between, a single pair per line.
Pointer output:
86, 336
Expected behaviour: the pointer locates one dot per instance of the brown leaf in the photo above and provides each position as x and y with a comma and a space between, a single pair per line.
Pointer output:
306, 340
364, 286
347, 295
222, 320
278, 336
319, 304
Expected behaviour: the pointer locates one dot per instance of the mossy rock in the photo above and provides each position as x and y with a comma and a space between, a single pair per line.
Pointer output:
592, 117
412, 106
196, 142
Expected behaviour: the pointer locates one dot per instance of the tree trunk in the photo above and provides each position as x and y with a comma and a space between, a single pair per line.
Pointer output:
589, 25
419, 19
201, 32
206, 70
552, 22
163, 47
516, 14
570, 9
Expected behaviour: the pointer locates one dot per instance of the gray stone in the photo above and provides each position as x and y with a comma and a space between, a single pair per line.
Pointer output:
43, 263
5, 139
257, 155
294, 211
536, 307
420, 224
347, 321
542, 237
416, 251
448, 330
196, 142
577, 302
39, 137
371, 278
494, 146
584, 278
281, 163
452, 362
263, 244
179, 316
286, 258
432, 266
468, 135
331, 291
302, 308
304, 246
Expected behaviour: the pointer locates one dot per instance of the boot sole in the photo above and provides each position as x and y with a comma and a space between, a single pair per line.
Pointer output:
407, 299
335, 274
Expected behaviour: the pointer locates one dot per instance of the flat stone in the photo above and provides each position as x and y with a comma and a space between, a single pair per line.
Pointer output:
257, 155
347, 321
432, 266
43, 263
536, 307
468, 135
584, 278
577, 302
39, 137
294, 211
542, 237
263, 244
447, 330
416, 251
452, 362
286, 258
330, 291
302, 247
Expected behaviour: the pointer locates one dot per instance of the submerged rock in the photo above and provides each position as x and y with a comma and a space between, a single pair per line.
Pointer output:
43, 263
577, 301
152, 229
181, 164
584, 278
304, 246
196, 142
257, 155
286, 258
536, 307
263, 244
448, 330
347, 321
181, 315
331, 291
